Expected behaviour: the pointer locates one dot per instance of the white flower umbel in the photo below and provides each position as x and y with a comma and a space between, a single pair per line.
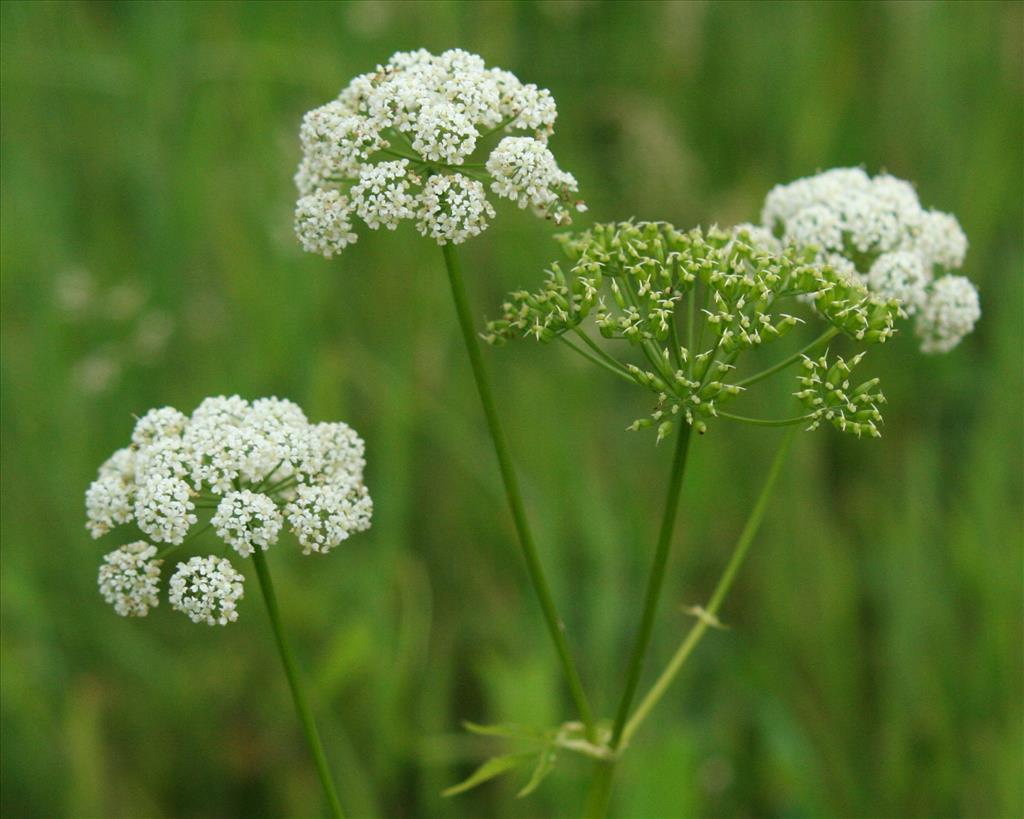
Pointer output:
207, 589
246, 520
900, 275
873, 229
164, 509
452, 208
414, 141
949, 313
324, 516
381, 196
525, 171
129, 579
233, 466
322, 223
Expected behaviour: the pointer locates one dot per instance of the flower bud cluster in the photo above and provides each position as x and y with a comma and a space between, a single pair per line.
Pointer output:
408, 142
828, 395
875, 231
732, 291
253, 466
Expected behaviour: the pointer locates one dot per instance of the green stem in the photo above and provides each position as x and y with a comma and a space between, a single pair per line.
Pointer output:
600, 792
691, 350
298, 692
718, 596
830, 333
766, 422
595, 359
654, 583
515, 501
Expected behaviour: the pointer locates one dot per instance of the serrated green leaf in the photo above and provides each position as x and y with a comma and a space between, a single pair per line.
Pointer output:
493, 767
545, 764
508, 730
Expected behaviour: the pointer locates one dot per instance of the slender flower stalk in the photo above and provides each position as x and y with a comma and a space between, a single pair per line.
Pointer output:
555, 625
600, 789
707, 616
654, 583
291, 671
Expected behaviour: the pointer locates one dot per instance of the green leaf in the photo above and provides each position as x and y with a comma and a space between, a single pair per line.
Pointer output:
508, 730
490, 769
545, 764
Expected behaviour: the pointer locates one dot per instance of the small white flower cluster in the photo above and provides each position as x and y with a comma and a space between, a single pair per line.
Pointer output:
246, 519
874, 230
207, 590
253, 466
525, 171
396, 143
130, 579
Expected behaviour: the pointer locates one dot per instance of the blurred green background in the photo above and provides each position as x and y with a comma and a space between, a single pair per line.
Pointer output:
874, 664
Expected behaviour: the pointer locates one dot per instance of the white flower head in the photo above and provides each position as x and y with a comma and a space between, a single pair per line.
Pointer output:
323, 222
453, 208
525, 171
413, 141
247, 520
323, 516
129, 579
949, 313
207, 589
902, 276
110, 499
874, 229
381, 196
158, 423
164, 509
941, 240
246, 466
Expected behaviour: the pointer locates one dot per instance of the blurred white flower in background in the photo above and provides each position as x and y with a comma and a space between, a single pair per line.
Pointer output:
875, 229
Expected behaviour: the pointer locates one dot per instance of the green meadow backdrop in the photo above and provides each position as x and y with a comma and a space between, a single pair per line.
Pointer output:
873, 667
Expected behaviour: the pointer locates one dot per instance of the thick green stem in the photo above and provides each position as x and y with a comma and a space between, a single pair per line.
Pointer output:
298, 692
654, 583
600, 792
707, 617
512, 492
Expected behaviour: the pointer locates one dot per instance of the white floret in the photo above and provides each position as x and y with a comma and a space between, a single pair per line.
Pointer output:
247, 520
949, 313
334, 453
323, 516
109, 502
323, 223
525, 171
165, 422
941, 240
129, 579
382, 197
453, 208
901, 276
164, 509
207, 590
